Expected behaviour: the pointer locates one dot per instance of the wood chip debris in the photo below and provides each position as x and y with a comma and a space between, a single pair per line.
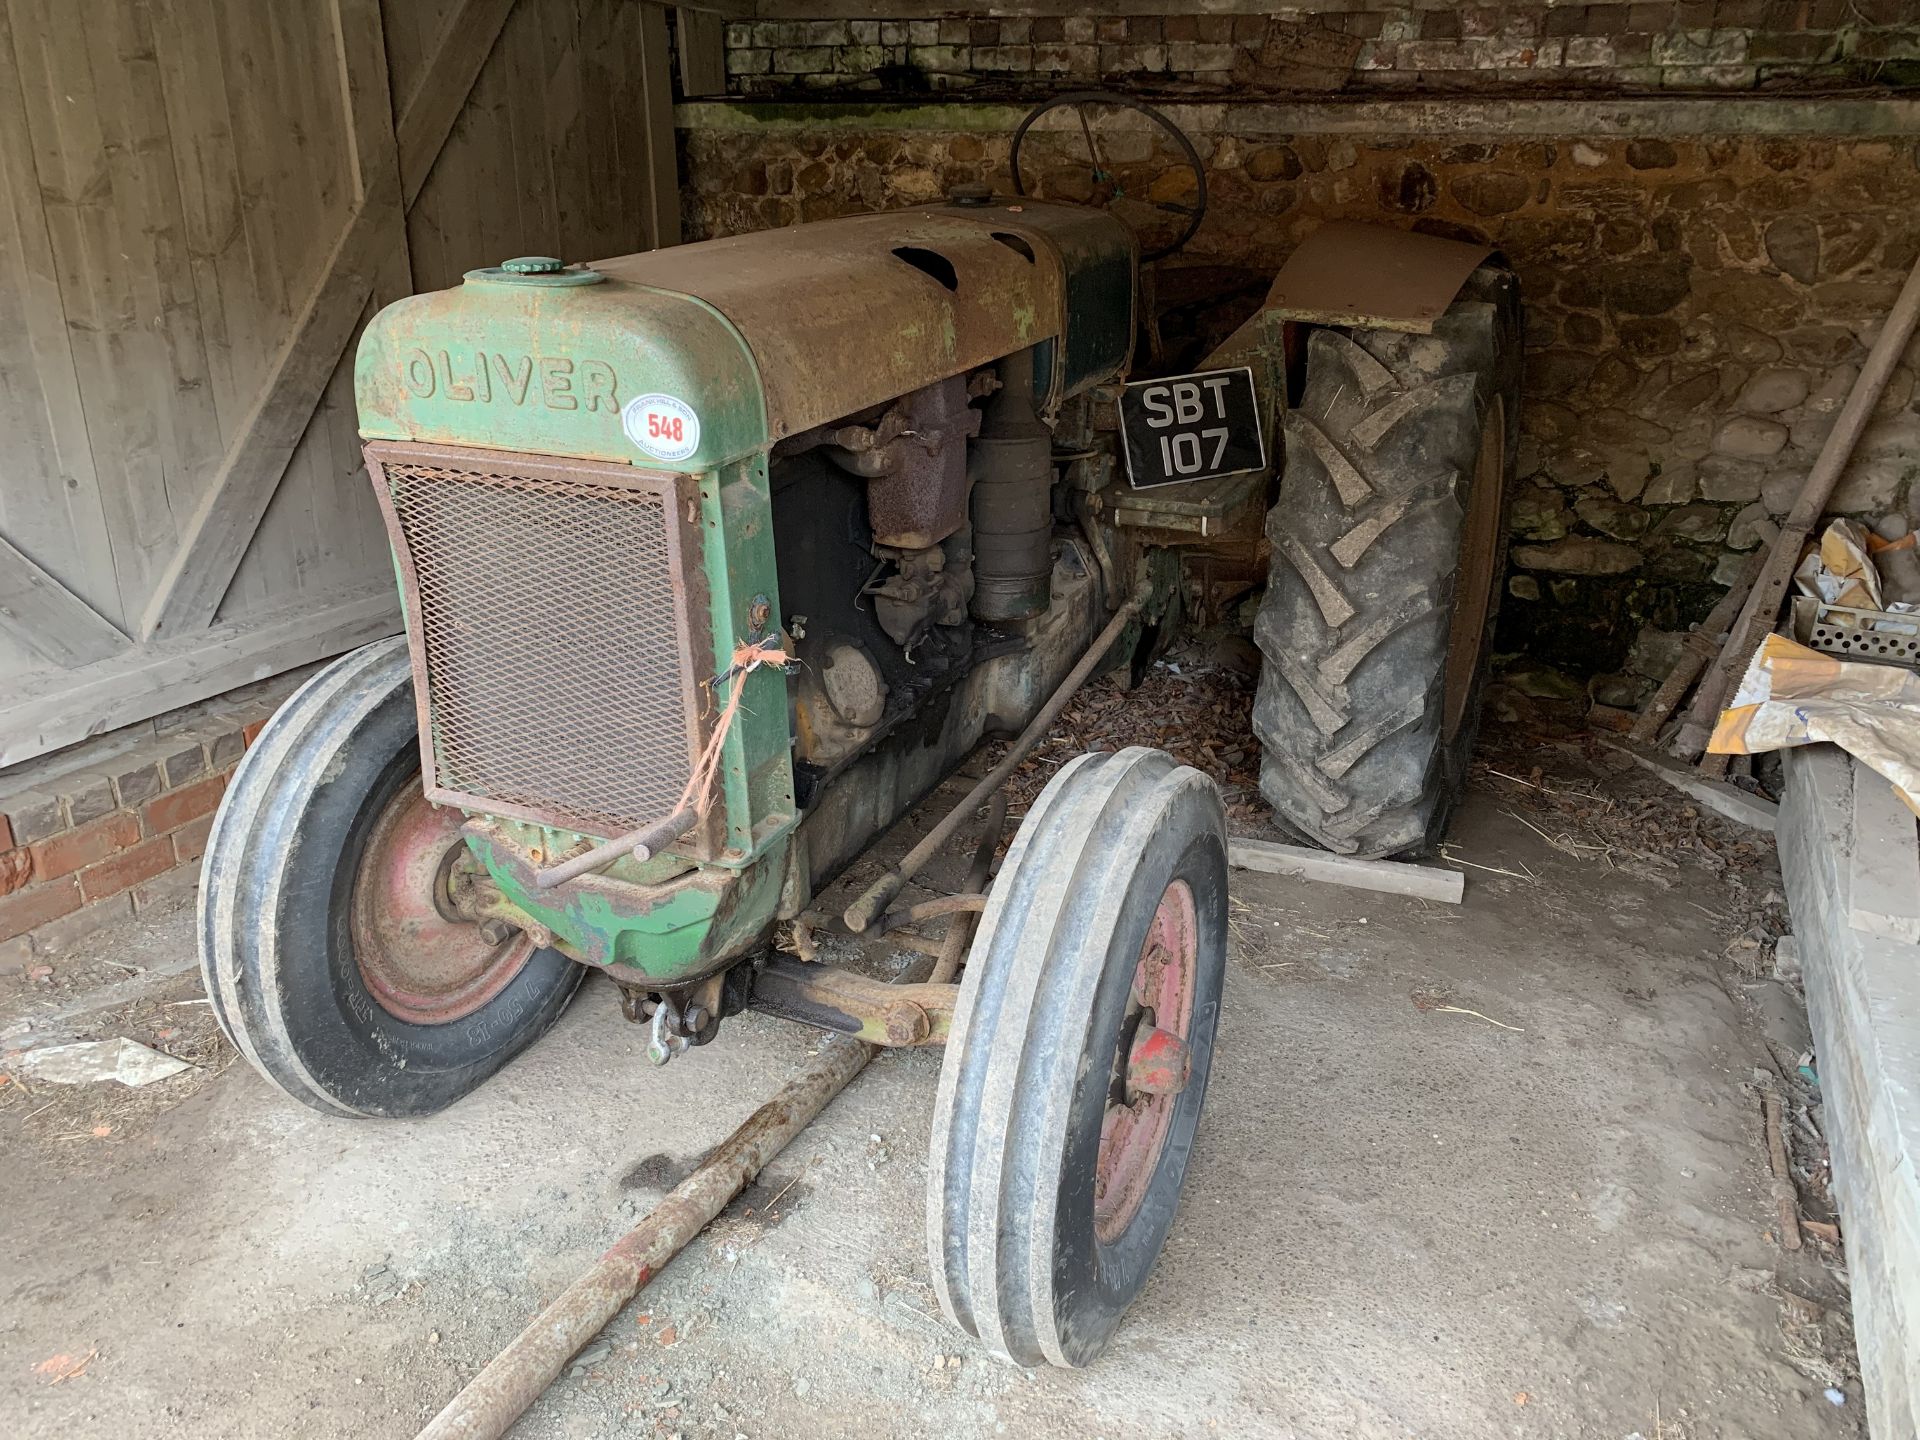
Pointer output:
1199, 713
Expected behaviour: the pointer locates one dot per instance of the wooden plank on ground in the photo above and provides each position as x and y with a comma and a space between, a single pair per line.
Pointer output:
1885, 864
1720, 796
51, 620
1392, 877
703, 51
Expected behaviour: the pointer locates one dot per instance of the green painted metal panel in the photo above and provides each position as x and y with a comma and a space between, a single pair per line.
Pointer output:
666, 934
756, 771
554, 362
518, 362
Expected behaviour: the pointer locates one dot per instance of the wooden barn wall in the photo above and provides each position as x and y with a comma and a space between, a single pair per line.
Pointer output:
550, 155
181, 181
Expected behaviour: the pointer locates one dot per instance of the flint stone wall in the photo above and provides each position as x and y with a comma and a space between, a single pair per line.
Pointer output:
1702, 278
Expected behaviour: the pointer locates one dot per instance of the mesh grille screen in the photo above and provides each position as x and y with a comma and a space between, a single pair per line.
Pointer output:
553, 646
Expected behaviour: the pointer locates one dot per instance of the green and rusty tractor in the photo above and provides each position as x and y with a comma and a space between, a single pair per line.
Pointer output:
715, 560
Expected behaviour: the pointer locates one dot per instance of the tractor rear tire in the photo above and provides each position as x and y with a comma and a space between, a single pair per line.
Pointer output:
1078, 1058
1389, 542
354, 996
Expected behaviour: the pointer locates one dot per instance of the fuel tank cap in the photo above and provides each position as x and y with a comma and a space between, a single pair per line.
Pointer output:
534, 270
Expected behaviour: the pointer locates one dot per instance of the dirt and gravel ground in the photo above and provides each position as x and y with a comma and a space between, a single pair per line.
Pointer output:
1493, 1169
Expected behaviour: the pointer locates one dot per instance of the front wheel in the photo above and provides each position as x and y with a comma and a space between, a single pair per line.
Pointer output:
332, 943
1078, 1058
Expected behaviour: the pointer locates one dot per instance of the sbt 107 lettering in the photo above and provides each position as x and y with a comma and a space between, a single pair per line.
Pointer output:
1191, 427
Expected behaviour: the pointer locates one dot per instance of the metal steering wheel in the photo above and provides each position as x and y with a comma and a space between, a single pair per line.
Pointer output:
1106, 185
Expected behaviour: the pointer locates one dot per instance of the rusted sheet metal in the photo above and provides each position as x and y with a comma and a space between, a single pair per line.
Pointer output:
489, 547
847, 314
921, 497
830, 998
1099, 256
515, 1378
1347, 273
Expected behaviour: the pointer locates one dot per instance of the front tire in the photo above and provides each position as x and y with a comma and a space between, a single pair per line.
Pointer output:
324, 946
1389, 541
1078, 1058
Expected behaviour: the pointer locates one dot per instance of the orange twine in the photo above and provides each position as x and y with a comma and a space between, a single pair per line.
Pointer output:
748, 656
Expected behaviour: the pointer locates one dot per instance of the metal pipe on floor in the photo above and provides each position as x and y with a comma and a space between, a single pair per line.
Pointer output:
953, 944
517, 1376
932, 910
861, 914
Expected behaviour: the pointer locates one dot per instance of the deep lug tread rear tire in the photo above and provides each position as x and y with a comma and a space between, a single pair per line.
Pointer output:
1023, 1087
275, 944
1367, 559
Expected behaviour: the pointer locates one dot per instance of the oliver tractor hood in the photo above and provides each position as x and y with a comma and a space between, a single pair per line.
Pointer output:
734, 344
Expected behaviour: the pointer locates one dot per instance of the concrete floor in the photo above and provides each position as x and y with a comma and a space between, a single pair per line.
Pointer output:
1402, 1219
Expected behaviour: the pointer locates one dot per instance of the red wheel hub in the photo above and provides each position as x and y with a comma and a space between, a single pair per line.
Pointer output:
1158, 1063
1150, 1066
420, 959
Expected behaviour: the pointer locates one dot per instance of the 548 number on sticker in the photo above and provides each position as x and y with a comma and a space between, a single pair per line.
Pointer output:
1191, 427
663, 426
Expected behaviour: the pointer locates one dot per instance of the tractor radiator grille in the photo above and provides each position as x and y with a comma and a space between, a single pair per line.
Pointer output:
547, 613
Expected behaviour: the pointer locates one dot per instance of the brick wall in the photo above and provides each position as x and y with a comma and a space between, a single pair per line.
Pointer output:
1663, 46
116, 826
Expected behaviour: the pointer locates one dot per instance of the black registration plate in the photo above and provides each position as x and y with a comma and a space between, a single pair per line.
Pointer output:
1191, 427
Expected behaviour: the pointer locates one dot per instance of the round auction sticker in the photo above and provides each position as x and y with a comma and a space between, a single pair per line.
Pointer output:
664, 426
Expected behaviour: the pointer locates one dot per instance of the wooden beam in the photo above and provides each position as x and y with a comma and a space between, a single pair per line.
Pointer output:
236, 499
58, 707
52, 621
1020, 9
703, 51
465, 41
662, 159
1393, 877
1461, 117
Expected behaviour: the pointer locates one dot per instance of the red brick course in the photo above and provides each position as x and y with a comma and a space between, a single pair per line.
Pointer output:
175, 808
36, 905
98, 841
190, 840
142, 862
88, 845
